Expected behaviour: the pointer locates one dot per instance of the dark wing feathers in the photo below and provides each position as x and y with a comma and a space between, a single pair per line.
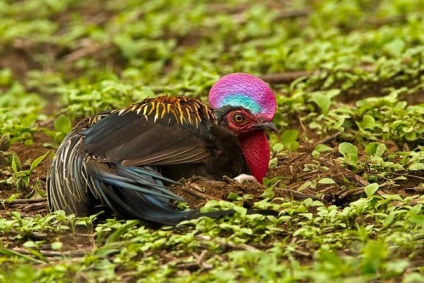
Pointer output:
171, 157
65, 190
117, 159
143, 142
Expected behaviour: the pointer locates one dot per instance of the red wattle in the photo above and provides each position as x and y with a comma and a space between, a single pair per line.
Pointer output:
256, 152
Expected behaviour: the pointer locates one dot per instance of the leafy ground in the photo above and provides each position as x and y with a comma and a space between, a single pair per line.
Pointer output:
347, 170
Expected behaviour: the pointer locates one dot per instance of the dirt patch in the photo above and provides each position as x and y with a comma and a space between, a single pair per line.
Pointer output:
26, 204
26, 155
414, 98
198, 190
17, 60
304, 176
29, 153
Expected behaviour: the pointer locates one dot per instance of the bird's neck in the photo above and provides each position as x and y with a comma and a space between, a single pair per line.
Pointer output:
256, 152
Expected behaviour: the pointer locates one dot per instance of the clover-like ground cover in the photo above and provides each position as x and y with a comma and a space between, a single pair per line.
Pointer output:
347, 168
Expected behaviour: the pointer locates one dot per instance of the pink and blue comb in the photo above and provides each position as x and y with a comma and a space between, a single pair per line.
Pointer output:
248, 91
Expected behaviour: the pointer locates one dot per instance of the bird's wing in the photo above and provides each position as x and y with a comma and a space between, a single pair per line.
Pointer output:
135, 140
79, 182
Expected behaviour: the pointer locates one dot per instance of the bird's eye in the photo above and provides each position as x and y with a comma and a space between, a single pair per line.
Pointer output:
239, 118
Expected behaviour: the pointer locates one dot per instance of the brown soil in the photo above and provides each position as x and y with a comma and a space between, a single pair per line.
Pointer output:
198, 190
26, 155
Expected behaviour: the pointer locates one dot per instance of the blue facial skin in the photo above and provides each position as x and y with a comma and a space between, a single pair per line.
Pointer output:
242, 100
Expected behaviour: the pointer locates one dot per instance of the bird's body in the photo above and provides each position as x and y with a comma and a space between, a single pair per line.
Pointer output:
122, 159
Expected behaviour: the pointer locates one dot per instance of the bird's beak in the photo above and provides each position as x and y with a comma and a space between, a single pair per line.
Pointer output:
266, 126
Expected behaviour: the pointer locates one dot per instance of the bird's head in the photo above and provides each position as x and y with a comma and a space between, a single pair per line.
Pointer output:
240, 120
247, 91
246, 105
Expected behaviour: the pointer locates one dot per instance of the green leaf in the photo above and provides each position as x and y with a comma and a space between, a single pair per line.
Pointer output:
398, 267
289, 136
326, 181
37, 161
411, 136
413, 277
29, 244
288, 141
120, 231
305, 185
395, 47
322, 101
57, 246
368, 122
375, 148
349, 152
277, 147
416, 166
371, 148
63, 124
375, 252
371, 189
293, 146
23, 256
381, 148
418, 219
388, 220
322, 148
14, 165
12, 197
307, 215
233, 196
240, 210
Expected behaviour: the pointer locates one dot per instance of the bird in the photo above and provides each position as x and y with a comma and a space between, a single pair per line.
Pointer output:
122, 160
